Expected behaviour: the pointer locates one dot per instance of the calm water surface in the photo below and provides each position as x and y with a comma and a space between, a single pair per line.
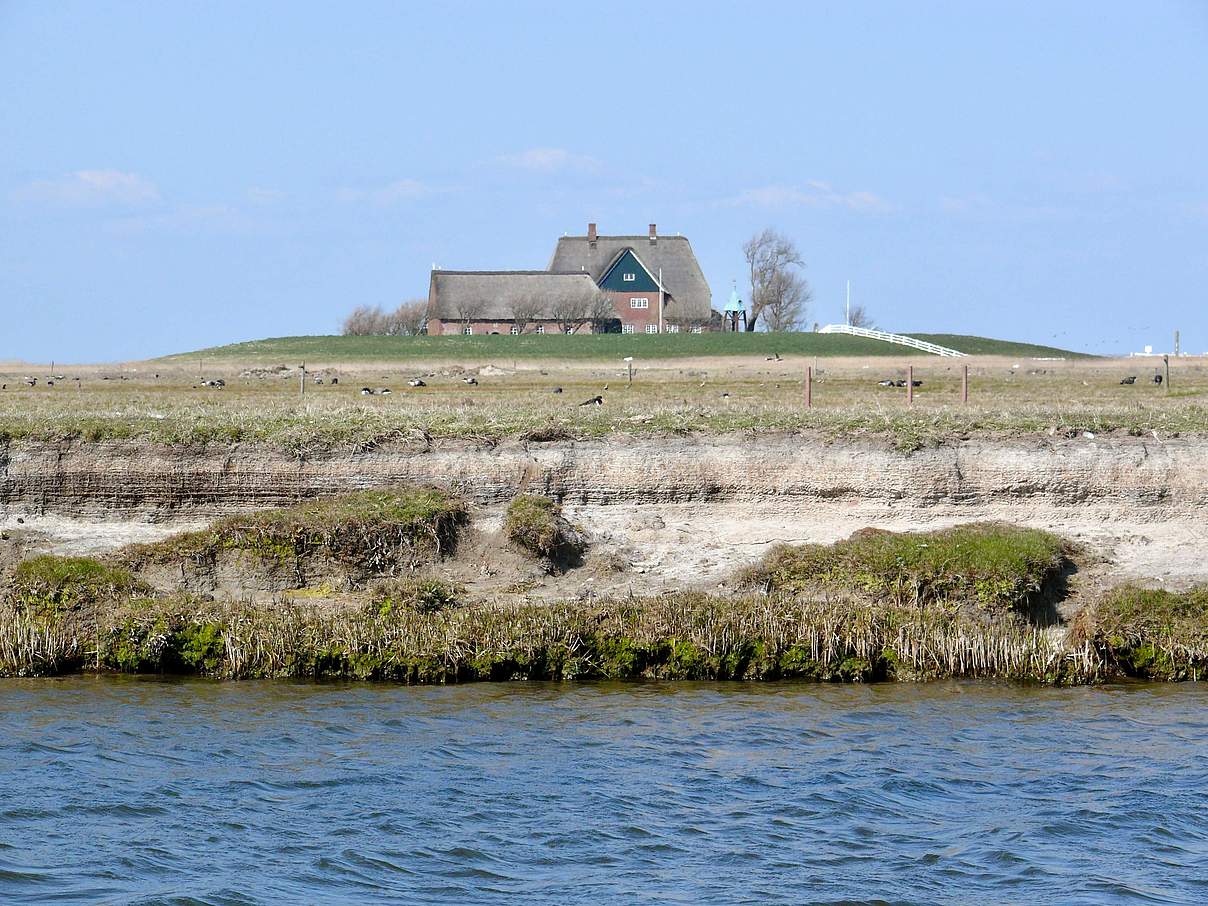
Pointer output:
146, 791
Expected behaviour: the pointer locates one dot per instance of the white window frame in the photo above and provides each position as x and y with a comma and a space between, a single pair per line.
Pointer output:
698, 330
672, 328
467, 331
568, 330
639, 302
629, 278
626, 328
515, 331
540, 328
652, 328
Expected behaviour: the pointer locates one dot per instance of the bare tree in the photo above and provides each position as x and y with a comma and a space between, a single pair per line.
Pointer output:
572, 312
787, 299
858, 317
601, 312
467, 310
408, 320
770, 255
524, 310
363, 321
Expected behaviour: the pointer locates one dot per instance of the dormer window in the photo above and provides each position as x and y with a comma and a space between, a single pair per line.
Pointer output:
629, 278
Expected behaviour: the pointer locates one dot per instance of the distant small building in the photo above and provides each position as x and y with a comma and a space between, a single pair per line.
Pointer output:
594, 283
734, 314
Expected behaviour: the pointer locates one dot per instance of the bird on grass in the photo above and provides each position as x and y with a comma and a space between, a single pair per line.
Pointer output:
1131, 379
557, 390
473, 382
416, 382
594, 401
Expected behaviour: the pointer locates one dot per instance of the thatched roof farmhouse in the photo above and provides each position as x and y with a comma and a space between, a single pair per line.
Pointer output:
594, 283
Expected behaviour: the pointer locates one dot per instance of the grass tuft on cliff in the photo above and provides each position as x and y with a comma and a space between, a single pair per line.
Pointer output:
535, 524
995, 566
374, 531
49, 581
1150, 633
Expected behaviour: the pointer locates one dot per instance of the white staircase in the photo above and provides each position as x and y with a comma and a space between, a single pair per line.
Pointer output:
900, 339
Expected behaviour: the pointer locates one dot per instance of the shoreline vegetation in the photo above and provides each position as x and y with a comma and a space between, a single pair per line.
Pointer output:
973, 601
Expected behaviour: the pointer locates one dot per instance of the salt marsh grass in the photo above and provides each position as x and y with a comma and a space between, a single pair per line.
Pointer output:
517, 400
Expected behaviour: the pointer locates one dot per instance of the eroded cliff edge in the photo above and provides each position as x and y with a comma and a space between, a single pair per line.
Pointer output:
1141, 479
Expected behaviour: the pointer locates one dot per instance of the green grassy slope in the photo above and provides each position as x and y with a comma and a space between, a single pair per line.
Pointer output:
318, 349
986, 346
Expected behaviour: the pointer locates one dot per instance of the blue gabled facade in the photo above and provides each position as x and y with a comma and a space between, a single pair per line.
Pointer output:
628, 266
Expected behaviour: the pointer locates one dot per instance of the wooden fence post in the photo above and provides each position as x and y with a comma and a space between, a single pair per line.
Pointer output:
302, 381
809, 387
965, 385
909, 385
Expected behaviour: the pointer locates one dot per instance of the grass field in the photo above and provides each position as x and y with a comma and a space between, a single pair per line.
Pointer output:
603, 347
168, 402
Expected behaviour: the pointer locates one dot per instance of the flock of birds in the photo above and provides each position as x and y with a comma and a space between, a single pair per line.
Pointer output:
598, 400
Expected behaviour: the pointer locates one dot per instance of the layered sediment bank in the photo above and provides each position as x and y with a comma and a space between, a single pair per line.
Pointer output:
1144, 478
689, 507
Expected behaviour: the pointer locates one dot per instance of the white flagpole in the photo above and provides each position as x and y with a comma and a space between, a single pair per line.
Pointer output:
660, 300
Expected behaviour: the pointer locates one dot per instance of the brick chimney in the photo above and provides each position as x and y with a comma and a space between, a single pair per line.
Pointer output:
591, 233
654, 233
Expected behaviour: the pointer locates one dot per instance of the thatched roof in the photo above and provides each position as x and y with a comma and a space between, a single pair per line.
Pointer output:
492, 295
682, 276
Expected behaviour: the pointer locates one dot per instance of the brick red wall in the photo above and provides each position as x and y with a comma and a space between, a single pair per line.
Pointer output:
638, 317
437, 327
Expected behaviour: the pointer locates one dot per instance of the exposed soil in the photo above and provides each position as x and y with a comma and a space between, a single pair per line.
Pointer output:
660, 512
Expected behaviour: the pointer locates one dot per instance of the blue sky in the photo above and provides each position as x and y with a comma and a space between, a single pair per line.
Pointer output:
174, 175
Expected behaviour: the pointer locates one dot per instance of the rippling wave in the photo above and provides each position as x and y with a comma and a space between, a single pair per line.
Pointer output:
126, 790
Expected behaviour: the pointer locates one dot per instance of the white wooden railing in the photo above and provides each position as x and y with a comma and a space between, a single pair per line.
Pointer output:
900, 339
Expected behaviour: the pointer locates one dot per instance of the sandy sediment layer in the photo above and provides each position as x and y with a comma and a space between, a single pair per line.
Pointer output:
1144, 478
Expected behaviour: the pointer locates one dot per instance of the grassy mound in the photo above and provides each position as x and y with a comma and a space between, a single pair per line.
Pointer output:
65, 583
371, 532
1150, 633
535, 524
988, 346
601, 347
997, 567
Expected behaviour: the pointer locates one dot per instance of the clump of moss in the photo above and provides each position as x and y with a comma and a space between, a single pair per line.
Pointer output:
1149, 633
373, 532
536, 525
67, 583
992, 565
416, 594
